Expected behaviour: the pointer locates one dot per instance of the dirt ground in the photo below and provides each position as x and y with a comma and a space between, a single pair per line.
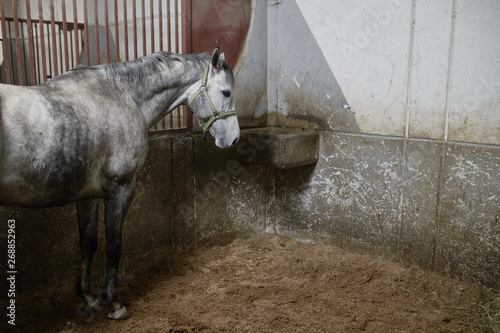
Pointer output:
275, 284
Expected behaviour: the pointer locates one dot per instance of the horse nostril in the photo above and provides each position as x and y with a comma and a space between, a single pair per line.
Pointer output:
234, 142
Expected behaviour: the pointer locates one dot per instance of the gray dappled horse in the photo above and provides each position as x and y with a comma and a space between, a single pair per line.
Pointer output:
82, 136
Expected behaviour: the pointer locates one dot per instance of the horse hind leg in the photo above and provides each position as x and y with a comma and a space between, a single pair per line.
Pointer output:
87, 212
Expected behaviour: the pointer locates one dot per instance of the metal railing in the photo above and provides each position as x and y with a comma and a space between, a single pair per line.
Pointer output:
49, 58
36, 48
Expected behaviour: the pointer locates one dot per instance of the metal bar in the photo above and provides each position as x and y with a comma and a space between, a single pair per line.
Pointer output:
58, 23
82, 34
11, 53
125, 29
18, 44
186, 26
143, 13
6, 64
96, 33
187, 17
160, 27
65, 35
54, 40
76, 40
72, 51
37, 53
134, 25
42, 41
152, 25
117, 32
60, 50
106, 30
49, 53
23, 56
169, 28
176, 20
86, 33
30, 41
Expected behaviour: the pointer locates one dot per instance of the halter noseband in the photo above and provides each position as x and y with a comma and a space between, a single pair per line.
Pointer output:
215, 114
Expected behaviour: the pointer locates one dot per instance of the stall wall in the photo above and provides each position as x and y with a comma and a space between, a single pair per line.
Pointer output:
405, 96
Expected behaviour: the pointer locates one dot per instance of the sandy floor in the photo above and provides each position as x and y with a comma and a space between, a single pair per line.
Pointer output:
275, 284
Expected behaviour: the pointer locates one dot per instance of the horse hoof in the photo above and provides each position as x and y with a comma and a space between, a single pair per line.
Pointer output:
120, 314
91, 307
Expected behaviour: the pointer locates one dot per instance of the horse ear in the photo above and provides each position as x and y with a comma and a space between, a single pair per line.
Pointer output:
216, 56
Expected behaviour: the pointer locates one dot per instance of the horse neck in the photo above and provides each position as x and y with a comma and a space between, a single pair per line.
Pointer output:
160, 92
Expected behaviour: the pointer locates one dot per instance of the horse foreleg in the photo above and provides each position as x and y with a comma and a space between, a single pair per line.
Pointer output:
87, 222
116, 201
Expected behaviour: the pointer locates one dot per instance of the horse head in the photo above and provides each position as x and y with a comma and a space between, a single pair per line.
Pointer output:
213, 103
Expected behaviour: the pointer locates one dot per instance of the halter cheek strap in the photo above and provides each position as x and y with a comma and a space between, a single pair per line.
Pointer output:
215, 114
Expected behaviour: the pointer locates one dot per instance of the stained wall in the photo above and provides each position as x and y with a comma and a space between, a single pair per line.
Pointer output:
405, 96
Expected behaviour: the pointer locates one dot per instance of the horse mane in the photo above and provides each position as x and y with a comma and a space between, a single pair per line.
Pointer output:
142, 67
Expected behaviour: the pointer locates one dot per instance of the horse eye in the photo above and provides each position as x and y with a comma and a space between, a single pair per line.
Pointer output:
226, 93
